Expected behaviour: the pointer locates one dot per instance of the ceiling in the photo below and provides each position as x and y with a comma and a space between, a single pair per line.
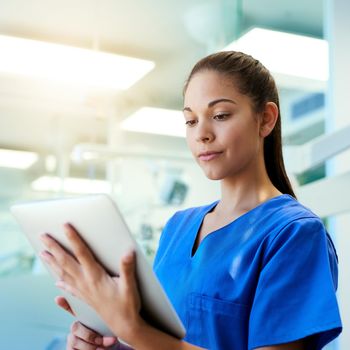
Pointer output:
42, 116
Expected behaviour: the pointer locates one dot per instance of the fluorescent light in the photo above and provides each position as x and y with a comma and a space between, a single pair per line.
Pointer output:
69, 64
17, 159
285, 53
156, 121
70, 185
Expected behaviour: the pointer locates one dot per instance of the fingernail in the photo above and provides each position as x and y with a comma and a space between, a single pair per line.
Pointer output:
128, 257
60, 284
47, 236
43, 256
69, 231
43, 236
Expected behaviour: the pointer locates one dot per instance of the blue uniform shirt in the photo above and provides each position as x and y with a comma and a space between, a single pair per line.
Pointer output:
269, 277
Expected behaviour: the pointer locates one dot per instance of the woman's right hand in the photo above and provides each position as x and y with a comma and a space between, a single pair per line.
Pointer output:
83, 338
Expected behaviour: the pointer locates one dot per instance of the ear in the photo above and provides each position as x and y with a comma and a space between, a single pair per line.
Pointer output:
268, 119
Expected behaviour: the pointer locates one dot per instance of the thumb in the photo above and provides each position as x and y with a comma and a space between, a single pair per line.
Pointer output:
63, 303
127, 268
108, 341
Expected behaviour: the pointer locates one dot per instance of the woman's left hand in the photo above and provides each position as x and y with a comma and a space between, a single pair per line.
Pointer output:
115, 299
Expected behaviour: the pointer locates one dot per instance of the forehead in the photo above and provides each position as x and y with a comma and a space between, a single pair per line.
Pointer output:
206, 86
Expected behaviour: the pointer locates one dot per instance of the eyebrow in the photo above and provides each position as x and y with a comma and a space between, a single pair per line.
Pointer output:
212, 103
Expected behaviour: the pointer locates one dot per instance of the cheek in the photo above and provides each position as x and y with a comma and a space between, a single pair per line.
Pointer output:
190, 142
242, 142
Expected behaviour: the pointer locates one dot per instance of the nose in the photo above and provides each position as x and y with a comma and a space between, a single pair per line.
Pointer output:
204, 133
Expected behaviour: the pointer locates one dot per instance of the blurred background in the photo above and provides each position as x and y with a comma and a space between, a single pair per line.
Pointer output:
90, 102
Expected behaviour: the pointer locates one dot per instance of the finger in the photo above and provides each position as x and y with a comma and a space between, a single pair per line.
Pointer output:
76, 343
127, 269
86, 334
80, 249
63, 303
55, 266
109, 341
64, 260
69, 288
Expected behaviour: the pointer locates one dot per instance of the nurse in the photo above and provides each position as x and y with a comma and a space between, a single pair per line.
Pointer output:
252, 270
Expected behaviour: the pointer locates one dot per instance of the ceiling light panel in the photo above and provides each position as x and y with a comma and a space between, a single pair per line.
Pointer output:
286, 53
156, 121
17, 159
67, 64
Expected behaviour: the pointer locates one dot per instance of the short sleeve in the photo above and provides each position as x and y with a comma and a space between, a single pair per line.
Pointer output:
295, 296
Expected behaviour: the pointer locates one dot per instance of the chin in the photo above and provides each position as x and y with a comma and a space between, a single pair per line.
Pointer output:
213, 176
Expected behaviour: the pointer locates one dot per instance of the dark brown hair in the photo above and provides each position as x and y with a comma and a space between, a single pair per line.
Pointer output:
254, 80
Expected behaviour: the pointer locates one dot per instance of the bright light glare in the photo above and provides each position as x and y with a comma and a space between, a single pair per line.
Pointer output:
70, 185
17, 159
156, 121
69, 64
285, 53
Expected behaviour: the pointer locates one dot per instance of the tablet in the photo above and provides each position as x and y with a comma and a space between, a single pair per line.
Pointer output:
101, 225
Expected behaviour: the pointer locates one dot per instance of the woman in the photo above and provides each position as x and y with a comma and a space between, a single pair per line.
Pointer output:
254, 270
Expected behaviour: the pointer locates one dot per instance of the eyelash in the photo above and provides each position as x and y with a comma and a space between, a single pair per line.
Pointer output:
220, 115
224, 115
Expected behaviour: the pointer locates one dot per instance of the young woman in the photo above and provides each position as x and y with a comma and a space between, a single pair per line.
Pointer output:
253, 270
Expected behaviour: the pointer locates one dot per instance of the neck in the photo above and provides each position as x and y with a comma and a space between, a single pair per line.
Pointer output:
246, 190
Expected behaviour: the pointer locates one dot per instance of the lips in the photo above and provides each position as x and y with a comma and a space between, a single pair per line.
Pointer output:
206, 156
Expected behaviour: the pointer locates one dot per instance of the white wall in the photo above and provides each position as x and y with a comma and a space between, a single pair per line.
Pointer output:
338, 32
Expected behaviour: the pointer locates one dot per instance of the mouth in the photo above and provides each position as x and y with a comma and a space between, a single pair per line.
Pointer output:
206, 156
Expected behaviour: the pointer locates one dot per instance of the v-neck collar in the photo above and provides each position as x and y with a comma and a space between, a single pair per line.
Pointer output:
209, 208
198, 225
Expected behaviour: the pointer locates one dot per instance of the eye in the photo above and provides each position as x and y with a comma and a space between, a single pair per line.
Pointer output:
221, 116
190, 122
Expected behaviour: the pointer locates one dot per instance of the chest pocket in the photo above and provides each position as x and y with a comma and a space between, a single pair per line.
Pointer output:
216, 324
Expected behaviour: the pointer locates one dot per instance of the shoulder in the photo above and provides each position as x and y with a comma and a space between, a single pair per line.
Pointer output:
282, 212
290, 209
301, 232
287, 222
290, 217
188, 214
296, 217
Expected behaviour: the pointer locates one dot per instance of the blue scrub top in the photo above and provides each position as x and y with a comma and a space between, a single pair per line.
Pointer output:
268, 277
